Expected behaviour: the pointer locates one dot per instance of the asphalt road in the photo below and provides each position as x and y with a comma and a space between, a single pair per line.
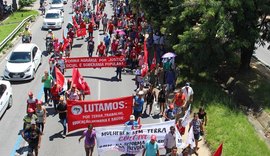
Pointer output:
102, 84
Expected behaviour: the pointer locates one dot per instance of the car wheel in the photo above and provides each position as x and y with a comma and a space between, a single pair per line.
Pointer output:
40, 63
34, 74
10, 101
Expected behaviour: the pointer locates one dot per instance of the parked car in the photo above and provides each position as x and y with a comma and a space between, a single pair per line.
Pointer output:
23, 62
65, 1
57, 4
53, 19
5, 96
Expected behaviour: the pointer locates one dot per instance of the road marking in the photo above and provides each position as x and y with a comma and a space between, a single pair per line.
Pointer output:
99, 89
19, 138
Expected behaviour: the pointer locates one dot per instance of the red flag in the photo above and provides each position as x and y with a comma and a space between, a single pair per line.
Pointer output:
81, 32
145, 53
66, 42
154, 62
78, 80
219, 150
60, 79
74, 22
144, 70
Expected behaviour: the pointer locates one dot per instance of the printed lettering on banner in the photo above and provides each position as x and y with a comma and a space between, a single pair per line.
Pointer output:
127, 140
98, 113
95, 62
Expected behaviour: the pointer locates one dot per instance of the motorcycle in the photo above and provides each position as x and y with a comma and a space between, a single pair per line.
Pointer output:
49, 44
8, 9
26, 39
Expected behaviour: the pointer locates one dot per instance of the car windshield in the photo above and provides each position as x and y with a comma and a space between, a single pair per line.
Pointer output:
56, 2
20, 57
52, 15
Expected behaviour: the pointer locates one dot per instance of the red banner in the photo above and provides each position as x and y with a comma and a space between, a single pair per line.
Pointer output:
81, 32
98, 113
95, 62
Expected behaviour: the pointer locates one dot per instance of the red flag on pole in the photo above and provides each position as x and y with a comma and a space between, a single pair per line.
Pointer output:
154, 62
78, 80
60, 78
81, 32
145, 53
75, 22
219, 150
66, 41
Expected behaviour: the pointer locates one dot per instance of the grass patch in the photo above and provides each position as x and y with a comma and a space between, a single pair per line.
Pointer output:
13, 21
227, 124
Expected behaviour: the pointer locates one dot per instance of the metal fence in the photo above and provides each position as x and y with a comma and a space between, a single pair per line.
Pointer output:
14, 32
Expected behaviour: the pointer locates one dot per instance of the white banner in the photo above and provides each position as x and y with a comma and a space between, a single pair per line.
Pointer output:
132, 141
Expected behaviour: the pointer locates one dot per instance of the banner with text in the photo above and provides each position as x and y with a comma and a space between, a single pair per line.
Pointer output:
132, 141
95, 62
98, 113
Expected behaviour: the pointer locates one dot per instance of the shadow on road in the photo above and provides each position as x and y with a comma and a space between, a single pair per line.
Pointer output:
98, 78
77, 46
22, 150
50, 111
56, 135
77, 133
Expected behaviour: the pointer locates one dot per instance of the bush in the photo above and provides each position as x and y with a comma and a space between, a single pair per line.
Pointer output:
24, 3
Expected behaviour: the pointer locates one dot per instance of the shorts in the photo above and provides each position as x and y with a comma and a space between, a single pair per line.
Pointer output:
161, 100
150, 103
178, 109
89, 146
197, 136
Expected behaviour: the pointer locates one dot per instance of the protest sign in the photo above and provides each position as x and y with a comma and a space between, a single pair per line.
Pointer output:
81, 32
128, 140
95, 62
98, 113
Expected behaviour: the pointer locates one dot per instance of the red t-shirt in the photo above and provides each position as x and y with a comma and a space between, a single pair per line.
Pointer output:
181, 130
133, 54
110, 27
55, 93
90, 28
32, 103
179, 99
101, 48
114, 46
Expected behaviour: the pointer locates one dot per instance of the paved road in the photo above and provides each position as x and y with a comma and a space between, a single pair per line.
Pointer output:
263, 54
102, 85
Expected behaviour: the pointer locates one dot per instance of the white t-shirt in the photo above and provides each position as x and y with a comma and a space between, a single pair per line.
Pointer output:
187, 91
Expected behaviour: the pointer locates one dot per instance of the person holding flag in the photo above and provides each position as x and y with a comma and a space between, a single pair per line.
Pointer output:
196, 126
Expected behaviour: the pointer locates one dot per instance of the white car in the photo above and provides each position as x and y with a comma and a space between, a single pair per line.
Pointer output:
65, 1
5, 96
23, 62
57, 4
53, 19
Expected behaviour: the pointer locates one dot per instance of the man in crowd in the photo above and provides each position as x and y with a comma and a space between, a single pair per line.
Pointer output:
31, 101
101, 49
179, 102
138, 105
62, 111
47, 80
73, 93
169, 140
151, 147
188, 92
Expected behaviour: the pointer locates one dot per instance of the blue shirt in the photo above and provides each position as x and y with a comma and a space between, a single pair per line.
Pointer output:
151, 149
139, 104
129, 123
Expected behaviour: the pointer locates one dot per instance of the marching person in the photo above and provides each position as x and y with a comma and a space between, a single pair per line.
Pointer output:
174, 152
73, 93
31, 101
101, 49
138, 105
151, 147
179, 102
90, 46
47, 80
89, 142
150, 98
169, 141
162, 99
188, 92
132, 121
28, 118
180, 127
41, 115
61, 63
197, 128
56, 90
170, 113
62, 111
32, 135
203, 117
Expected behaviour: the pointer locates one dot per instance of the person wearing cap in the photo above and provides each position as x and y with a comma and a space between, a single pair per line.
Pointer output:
180, 127
32, 135
138, 105
151, 147
56, 90
179, 102
28, 118
41, 115
132, 121
188, 92
62, 111
73, 93
90, 46
31, 101
61, 63
169, 140
50, 34
170, 113
89, 142
47, 80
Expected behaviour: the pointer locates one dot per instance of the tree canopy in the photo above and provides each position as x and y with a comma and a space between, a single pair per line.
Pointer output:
206, 33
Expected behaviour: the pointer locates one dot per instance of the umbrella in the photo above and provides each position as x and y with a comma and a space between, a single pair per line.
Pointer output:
120, 32
169, 55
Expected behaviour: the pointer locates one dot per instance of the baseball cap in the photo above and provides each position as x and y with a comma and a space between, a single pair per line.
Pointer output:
39, 102
30, 110
171, 106
187, 84
153, 137
131, 117
140, 92
176, 90
30, 93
